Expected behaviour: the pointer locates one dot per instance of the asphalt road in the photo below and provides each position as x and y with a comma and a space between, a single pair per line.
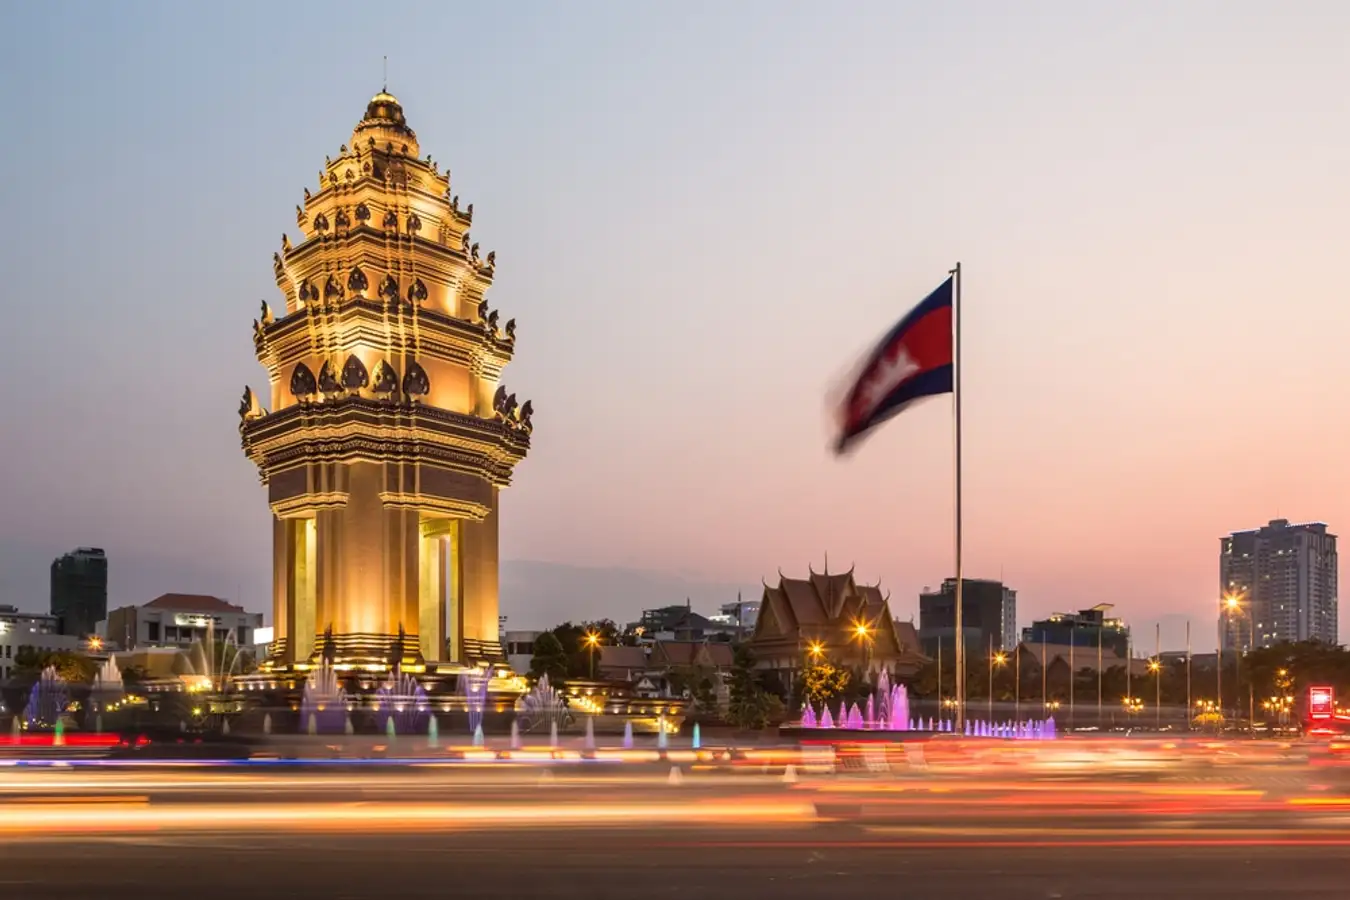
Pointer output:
645, 831
655, 863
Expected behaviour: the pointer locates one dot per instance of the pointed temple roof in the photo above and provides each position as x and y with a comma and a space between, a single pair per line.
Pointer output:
828, 609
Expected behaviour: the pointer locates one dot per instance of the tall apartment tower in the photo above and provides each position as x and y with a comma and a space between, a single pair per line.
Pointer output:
80, 590
1277, 583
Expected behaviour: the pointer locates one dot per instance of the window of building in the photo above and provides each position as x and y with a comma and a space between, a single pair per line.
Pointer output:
152, 631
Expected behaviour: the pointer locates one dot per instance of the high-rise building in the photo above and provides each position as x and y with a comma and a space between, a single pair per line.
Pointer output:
1277, 583
80, 590
988, 616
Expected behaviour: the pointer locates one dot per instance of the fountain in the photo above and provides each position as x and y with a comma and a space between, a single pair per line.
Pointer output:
478, 735
808, 716
47, 701
267, 723
209, 667
214, 668
515, 735
390, 732
107, 688
590, 733
698, 737
628, 735
403, 701
899, 707
323, 703
885, 709
473, 688
553, 734
662, 739
542, 705
433, 734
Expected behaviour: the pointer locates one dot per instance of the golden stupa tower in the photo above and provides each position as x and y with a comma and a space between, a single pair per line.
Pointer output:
389, 436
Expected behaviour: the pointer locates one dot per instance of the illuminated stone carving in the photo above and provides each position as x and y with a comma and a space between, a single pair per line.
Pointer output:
303, 384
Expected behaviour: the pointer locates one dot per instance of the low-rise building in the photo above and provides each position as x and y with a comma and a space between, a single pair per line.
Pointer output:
1083, 629
179, 620
36, 630
519, 647
666, 668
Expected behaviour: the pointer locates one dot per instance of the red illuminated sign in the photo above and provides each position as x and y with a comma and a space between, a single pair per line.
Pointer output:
1321, 703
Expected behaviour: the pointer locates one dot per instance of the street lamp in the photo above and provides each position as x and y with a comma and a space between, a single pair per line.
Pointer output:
1155, 666
1233, 604
996, 659
592, 641
864, 634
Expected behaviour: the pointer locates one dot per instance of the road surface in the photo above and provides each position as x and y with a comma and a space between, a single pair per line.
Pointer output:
640, 831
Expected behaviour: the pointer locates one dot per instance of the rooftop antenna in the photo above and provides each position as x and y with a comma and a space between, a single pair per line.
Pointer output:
385, 89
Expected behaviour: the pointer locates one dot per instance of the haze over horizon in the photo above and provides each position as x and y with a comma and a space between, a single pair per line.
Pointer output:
702, 215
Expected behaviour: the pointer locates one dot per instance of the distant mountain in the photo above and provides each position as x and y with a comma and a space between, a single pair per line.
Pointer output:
536, 595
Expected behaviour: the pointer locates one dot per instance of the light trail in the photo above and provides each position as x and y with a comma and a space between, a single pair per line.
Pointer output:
361, 817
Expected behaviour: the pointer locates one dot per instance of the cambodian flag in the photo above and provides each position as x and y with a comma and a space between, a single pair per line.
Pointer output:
913, 361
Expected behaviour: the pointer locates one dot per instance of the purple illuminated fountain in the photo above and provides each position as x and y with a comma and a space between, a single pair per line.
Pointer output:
887, 709
403, 701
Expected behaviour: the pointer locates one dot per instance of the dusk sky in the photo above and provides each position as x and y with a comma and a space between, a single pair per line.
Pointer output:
703, 213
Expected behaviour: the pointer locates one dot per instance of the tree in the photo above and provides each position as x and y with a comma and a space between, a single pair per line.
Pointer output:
549, 658
572, 637
74, 668
750, 705
823, 680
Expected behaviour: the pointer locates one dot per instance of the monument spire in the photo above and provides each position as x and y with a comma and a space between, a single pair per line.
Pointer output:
390, 434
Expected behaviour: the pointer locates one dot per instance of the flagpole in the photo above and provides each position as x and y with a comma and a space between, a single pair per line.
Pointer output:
956, 415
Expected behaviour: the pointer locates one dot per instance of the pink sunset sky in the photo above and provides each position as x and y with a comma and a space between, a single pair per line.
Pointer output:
703, 213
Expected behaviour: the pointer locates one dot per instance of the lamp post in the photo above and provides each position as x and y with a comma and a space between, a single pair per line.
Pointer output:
1233, 604
1155, 666
592, 641
995, 659
1017, 684
1129, 669
864, 634
991, 678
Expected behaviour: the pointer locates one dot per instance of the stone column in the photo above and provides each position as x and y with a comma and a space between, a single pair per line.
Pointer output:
479, 552
432, 588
